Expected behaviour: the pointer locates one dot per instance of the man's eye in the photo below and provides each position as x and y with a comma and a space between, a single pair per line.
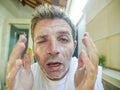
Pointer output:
42, 41
63, 40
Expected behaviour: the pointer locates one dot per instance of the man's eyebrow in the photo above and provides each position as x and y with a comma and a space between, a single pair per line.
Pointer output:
64, 32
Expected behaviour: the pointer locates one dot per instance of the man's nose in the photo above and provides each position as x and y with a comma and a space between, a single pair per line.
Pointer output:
53, 48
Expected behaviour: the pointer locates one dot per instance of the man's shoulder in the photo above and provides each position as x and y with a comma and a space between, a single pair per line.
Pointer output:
74, 61
34, 67
73, 64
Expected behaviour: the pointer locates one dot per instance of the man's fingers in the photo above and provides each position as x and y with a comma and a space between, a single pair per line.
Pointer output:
12, 73
27, 62
89, 61
90, 68
80, 61
91, 48
19, 47
87, 40
18, 64
17, 51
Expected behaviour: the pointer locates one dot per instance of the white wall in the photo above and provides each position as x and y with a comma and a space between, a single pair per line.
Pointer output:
103, 24
105, 31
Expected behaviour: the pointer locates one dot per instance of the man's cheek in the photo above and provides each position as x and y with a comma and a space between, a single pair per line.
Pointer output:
68, 52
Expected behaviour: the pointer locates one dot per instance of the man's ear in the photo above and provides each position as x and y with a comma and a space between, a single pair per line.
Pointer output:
75, 44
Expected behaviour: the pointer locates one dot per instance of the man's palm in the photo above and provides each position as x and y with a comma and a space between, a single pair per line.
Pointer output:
23, 79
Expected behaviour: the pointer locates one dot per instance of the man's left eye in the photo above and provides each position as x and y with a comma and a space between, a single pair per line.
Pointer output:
63, 40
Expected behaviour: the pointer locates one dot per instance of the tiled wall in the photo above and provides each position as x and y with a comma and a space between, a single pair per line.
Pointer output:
108, 86
105, 31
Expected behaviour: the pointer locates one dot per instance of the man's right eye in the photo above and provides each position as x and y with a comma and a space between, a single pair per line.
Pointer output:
41, 41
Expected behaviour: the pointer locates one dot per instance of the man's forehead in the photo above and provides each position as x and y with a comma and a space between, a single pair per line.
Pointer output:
61, 32
53, 23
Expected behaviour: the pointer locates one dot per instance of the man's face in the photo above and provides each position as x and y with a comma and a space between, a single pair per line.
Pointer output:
53, 47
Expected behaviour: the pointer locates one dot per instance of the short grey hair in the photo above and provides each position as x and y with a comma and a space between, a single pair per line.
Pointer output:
46, 11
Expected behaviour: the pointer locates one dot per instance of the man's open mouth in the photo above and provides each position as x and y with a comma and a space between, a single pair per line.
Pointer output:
54, 65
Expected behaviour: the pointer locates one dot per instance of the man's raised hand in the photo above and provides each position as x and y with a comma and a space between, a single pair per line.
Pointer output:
19, 74
86, 73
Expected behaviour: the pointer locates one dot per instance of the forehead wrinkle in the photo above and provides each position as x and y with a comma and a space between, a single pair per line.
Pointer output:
52, 27
58, 29
60, 26
63, 32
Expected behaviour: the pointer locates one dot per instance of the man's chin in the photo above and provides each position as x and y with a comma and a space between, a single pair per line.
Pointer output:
57, 75
55, 78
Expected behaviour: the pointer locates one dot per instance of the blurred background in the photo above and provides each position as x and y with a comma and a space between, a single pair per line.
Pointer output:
101, 18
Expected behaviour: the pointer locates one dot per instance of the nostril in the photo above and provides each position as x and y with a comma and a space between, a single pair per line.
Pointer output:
53, 52
57, 53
